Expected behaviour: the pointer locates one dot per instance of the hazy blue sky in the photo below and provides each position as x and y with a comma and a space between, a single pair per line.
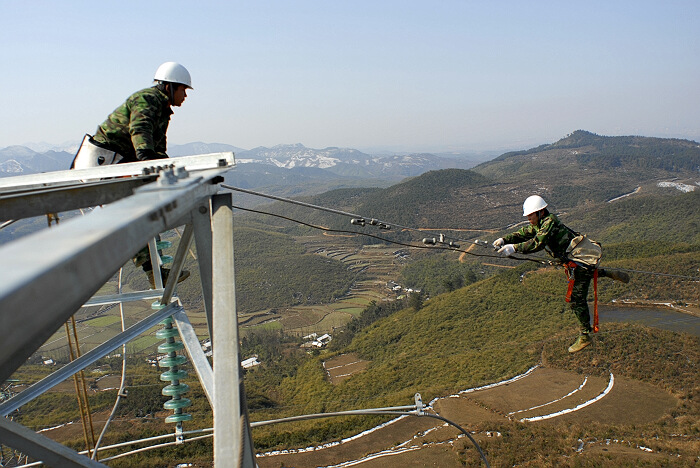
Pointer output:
401, 75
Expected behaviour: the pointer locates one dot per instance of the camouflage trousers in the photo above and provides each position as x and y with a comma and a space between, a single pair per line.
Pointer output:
579, 296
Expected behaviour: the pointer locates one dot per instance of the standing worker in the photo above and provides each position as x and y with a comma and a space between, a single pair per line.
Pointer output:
545, 231
136, 131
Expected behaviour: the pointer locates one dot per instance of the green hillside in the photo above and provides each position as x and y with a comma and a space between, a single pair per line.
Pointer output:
272, 270
650, 221
489, 331
588, 150
584, 167
665, 217
484, 323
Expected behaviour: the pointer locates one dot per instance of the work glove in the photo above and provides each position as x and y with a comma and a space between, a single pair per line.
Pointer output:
507, 250
498, 243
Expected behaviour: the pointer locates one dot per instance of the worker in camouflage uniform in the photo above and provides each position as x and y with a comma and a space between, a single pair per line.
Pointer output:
136, 131
545, 231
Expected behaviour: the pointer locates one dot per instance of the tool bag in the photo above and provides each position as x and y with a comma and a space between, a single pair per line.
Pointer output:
91, 155
583, 250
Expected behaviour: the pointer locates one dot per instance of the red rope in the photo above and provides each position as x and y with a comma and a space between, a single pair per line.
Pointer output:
569, 269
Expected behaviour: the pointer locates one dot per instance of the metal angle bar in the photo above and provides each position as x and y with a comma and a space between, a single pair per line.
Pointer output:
178, 263
39, 201
155, 263
7, 223
151, 439
124, 297
228, 428
48, 275
190, 163
202, 223
41, 447
86, 359
197, 356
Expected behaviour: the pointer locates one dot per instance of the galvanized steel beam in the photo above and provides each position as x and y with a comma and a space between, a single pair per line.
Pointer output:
47, 276
202, 223
189, 163
232, 440
41, 447
27, 203
194, 350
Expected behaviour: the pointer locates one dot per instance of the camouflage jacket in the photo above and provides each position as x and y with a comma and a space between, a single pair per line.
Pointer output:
549, 233
137, 126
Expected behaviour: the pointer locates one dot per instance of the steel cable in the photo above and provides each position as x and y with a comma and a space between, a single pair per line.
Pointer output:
344, 213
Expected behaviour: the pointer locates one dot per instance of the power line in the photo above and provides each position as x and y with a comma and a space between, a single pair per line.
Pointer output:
432, 246
357, 219
430, 243
692, 278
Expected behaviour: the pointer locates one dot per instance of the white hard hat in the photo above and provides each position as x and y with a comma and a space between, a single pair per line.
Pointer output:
533, 203
173, 72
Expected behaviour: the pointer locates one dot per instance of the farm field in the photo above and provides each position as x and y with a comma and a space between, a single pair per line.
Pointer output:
377, 265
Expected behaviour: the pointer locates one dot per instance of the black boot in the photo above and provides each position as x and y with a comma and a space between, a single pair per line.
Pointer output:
164, 273
617, 275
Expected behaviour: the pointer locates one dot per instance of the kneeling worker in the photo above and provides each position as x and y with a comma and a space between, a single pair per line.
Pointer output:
136, 131
545, 231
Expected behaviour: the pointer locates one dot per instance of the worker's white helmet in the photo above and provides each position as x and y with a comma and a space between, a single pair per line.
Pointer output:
533, 203
173, 72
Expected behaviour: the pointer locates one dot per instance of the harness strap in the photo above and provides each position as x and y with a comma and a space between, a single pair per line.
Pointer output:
595, 301
569, 269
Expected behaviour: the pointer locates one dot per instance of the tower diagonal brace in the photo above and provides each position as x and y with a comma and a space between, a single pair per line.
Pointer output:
41, 447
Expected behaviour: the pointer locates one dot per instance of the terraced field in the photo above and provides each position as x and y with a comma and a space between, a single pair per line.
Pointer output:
542, 396
374, 266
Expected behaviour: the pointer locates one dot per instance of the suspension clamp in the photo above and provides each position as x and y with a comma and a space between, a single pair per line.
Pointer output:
419, 404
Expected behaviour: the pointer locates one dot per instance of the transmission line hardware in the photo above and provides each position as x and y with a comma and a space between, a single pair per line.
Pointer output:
161, 244
174, 375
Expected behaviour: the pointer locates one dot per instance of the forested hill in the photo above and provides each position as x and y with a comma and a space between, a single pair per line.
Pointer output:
422, 200
583, 151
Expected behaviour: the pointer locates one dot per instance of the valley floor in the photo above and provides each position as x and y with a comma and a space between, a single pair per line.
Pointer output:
542, 396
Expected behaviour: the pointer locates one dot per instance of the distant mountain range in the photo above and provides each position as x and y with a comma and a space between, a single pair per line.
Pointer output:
308, 170
20, 160
580, 168
578, 174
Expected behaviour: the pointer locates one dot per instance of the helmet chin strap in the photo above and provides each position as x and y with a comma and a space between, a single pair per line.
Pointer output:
171, 96
167, 85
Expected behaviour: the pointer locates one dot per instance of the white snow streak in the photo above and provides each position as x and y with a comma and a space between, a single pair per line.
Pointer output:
576, 408
583, 384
